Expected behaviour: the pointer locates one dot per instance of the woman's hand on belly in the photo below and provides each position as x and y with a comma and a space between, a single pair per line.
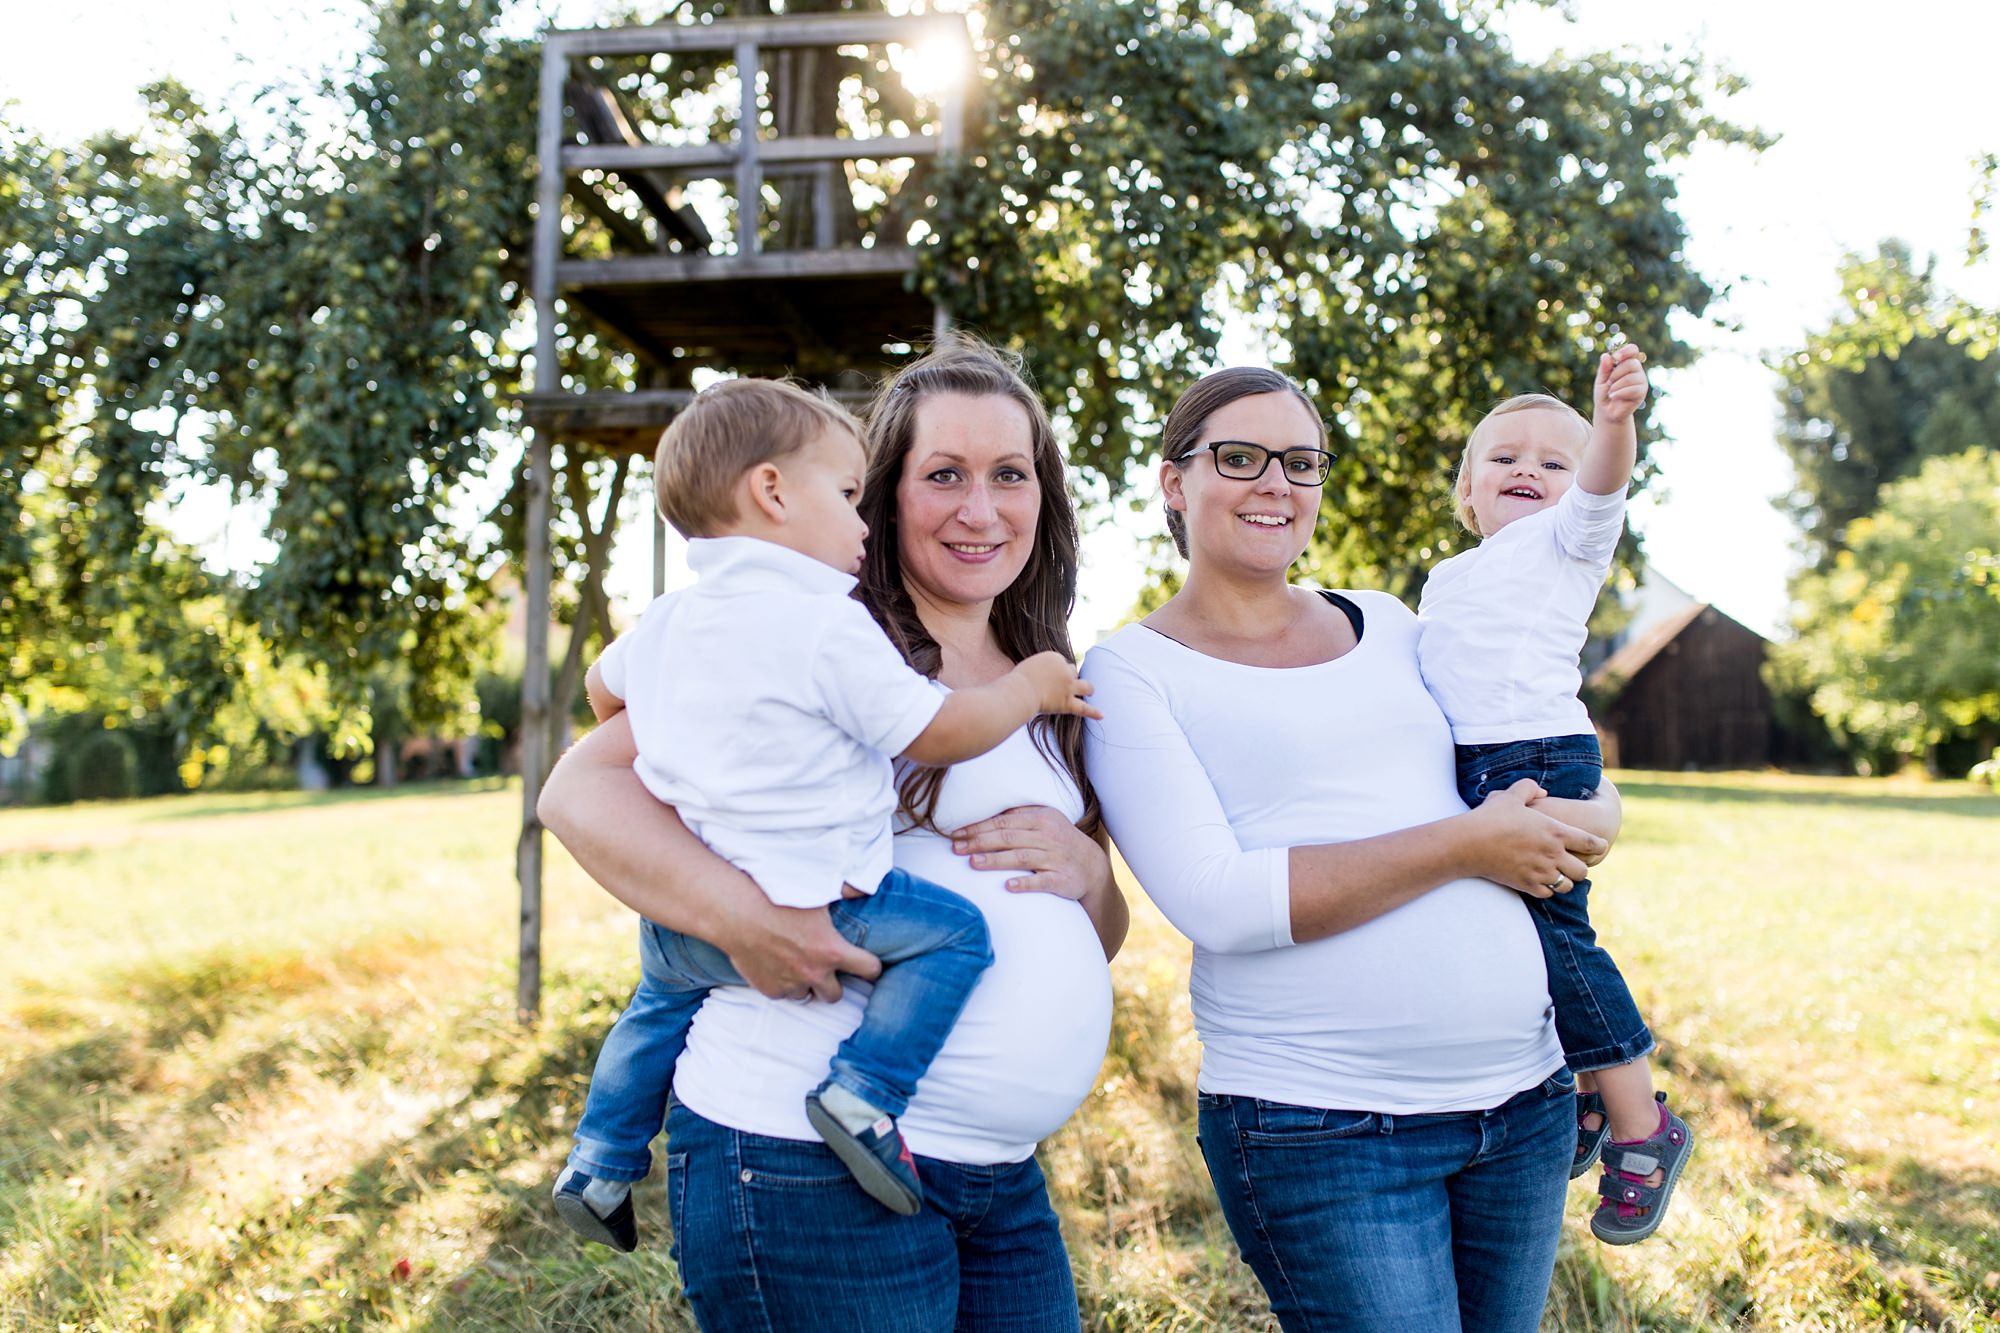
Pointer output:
1051, 855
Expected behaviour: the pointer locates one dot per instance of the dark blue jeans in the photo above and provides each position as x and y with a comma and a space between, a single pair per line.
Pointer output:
1366, 1222
933, 947
773, 1236
1596, 1018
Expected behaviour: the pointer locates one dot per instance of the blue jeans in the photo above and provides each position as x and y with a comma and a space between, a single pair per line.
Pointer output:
933, 947
773, 1235
1596, 1018
1375, 1223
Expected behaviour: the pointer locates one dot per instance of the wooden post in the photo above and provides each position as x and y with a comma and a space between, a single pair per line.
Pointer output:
535, 671
749, 172
659, 553
951, 136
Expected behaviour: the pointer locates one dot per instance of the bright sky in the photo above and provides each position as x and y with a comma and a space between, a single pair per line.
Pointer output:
1879, 114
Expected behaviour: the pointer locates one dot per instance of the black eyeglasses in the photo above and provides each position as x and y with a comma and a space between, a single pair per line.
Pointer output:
1239, 460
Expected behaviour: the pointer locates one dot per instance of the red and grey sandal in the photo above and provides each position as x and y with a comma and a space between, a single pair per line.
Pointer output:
1632, 1209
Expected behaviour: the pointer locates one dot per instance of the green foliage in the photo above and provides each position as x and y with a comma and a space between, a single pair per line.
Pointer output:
1421, 221
1893, 381
1896, 637
85, 608
315, 316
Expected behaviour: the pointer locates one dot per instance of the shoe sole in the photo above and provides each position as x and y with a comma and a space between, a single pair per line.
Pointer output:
576, 1214
1659, 1212
880, 1183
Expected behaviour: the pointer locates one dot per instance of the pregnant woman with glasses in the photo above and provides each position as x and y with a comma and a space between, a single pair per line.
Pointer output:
1383, 1103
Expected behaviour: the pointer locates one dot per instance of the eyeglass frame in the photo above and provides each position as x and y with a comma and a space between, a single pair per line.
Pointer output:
1323, 457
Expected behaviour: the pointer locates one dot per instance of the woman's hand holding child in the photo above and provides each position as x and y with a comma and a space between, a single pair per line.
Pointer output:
1528, 851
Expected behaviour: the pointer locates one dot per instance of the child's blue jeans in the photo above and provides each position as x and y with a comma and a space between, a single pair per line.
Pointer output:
1596, 1019
933, 946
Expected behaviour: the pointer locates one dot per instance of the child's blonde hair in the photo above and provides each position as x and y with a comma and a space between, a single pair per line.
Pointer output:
728, 429
1520, 402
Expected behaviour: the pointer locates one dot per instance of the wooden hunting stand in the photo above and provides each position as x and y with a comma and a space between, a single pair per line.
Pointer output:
813, 279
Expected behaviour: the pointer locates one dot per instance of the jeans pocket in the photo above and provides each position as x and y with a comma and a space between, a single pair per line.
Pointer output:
788, 1164
845, 917
1282, 1125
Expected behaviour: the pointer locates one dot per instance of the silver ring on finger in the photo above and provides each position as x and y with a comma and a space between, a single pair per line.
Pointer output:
1555, 886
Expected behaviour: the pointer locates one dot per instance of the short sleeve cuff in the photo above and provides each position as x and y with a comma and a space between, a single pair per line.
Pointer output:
923, 707
611, 665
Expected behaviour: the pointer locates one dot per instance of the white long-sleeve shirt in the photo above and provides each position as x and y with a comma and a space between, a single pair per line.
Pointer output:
1503, 622
1210, 771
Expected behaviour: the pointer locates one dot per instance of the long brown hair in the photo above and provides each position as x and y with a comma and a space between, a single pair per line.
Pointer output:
1203, 399
1032, 614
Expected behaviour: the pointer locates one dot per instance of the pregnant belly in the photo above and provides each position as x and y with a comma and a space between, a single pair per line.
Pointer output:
1026, 1051
1021, 1058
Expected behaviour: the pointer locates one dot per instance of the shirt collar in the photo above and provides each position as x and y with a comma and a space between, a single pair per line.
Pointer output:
752, 563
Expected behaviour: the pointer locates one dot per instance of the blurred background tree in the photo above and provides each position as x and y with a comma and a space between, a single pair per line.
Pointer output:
1891, 416
1893, 381
1899, 632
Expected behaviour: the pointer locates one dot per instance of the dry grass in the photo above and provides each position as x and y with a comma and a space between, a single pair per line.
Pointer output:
258, 1071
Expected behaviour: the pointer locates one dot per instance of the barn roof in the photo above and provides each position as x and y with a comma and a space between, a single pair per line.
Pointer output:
1630, 660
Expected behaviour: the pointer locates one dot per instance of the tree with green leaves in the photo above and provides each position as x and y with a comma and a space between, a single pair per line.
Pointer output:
317, 317
1897, 634
1893, 381
100, 611
1421, 221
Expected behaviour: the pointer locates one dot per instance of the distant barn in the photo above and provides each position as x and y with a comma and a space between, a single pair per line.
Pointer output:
1688, 692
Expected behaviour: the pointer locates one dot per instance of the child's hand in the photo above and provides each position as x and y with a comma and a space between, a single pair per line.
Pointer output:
1621, 383
1057, 687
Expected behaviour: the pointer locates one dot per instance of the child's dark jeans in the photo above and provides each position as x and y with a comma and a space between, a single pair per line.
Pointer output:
1596, 1020
933, 947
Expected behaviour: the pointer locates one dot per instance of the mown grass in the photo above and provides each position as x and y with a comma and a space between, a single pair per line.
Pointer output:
258, 1070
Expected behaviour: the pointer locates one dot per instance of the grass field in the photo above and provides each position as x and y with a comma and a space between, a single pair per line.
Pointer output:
258, 1070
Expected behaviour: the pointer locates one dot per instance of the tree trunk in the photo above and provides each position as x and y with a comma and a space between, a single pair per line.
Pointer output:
592, 605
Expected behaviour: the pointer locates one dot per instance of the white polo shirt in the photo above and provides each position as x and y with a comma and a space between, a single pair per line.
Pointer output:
767, 705
1503, 623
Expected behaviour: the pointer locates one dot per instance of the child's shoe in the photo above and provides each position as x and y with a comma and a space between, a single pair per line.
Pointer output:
868, 1144
1632, 1209
599, 1210
1589, 1142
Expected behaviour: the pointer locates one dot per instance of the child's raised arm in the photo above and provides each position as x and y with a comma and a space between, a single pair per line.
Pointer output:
973, 721
1614, 439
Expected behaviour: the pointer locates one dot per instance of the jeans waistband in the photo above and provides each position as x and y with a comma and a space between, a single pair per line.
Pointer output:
1561, 1083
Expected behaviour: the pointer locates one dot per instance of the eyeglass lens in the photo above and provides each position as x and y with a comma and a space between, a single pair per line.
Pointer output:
1247, 462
